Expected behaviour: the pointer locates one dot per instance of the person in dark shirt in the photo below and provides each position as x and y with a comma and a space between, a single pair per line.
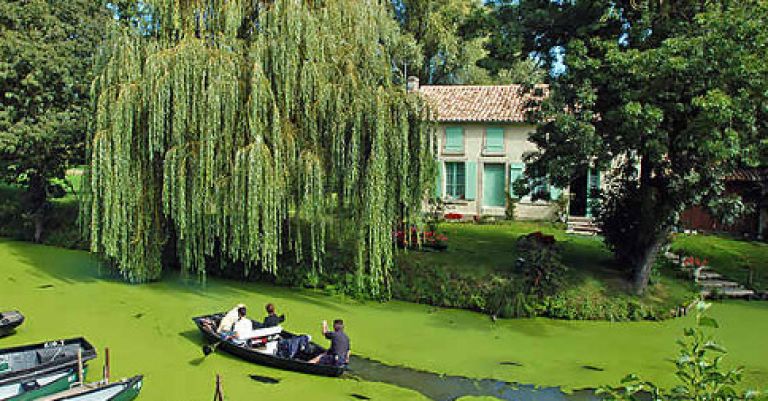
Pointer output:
338, 353
272, 319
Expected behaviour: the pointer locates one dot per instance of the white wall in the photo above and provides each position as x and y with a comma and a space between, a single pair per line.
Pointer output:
515, 145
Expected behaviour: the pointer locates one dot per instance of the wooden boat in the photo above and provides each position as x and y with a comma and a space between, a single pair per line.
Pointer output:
124, 390
10, 321
32, 371
207, 325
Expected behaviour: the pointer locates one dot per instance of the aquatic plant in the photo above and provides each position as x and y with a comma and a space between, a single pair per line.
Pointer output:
240, 130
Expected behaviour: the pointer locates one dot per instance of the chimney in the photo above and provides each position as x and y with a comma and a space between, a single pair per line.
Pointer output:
413, 84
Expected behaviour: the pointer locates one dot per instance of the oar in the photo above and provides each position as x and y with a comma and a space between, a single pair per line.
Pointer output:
211, 348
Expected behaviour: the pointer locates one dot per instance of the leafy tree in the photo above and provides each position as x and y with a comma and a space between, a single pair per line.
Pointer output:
701, 375
240, 130
450, 36
507, 61
670, 96
46, 50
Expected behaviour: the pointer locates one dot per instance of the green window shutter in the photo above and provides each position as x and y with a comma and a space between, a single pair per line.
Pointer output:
439, 180
593, 188
494, 140
470, 188
593, 178
515, 172
454, 139
555, 192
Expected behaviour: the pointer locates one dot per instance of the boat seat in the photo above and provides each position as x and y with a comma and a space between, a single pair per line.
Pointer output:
47, 355
22, 360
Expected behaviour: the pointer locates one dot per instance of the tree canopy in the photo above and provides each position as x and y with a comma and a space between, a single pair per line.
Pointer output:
240, 131
46, 50
670, 97
465, 42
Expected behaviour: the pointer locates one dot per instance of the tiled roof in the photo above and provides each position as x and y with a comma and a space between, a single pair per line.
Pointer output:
749, 175
492, 103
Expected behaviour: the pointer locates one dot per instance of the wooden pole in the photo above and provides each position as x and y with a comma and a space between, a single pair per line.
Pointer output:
106, 365
218, 395
80, 375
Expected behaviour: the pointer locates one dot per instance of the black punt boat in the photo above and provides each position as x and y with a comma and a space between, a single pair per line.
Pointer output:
207, 325
41, 369
10, 321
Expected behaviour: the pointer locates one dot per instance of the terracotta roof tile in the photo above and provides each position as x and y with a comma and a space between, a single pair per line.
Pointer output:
749, 174
493, 103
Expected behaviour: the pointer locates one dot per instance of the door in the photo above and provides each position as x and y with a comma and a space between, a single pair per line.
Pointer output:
494, 193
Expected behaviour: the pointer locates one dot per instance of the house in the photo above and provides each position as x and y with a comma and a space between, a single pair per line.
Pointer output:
481, 139
752, 186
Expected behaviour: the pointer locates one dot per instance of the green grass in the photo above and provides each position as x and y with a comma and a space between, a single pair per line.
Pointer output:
61, 226
731, 257
484, 250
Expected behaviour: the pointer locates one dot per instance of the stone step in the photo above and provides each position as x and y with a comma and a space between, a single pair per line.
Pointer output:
581, 224
586, 229
582, 231
729, 292
578, 219
719, 284
709, 275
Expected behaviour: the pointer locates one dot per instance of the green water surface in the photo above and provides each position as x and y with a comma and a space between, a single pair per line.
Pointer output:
149, 331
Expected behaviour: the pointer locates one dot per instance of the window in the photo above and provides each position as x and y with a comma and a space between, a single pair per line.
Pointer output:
455, 180
494, 141
454, 140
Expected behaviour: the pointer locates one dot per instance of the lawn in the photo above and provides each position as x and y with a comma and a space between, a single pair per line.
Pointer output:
485, 250
730, 257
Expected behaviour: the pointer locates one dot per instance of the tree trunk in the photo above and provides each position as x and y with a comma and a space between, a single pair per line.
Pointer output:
39, 219
653, 228
644, 265
35, 202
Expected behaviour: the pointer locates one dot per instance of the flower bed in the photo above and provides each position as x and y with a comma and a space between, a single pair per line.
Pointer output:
413, 238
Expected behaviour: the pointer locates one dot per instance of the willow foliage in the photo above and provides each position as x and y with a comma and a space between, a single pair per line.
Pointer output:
241, 130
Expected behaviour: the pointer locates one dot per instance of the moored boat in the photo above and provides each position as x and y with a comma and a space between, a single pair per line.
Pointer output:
265, 355
28, 372
9, 321
124, 390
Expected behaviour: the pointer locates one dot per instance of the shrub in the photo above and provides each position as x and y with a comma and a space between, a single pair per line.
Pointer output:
543, 271
506, 299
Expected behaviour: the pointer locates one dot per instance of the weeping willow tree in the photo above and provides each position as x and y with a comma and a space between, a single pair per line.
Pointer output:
239, 131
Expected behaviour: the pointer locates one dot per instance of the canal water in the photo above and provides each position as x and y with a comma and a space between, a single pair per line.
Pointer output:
425, 354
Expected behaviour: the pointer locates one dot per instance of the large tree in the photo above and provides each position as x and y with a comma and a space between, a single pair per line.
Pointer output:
507, 60
451, 37
46, 52
239, 130
670, 96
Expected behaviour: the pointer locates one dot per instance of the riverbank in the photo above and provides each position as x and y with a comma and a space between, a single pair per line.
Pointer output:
149, 330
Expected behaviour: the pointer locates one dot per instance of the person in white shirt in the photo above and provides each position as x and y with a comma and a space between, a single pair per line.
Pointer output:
226, 326
243, 326
244, 331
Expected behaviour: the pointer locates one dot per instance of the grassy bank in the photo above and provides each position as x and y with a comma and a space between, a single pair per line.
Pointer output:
595, 287
734, 258
61, 223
